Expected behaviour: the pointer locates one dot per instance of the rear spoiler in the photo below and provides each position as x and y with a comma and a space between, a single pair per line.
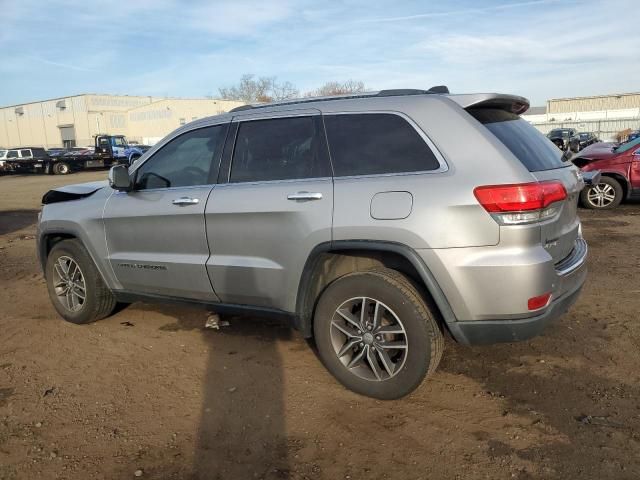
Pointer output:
510, 103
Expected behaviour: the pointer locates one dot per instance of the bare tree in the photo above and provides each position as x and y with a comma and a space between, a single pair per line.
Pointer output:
283, 91
263, 89
338, 88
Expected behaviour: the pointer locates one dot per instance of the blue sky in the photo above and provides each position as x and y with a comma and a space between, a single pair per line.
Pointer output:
540, 48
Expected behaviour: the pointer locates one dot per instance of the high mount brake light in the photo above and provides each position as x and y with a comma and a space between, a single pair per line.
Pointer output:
521, 203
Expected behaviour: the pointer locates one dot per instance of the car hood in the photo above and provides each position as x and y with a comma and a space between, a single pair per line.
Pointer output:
73, 192
598, 151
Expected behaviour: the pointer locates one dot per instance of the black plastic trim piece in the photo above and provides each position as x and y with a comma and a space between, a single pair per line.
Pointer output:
227, 153
241, 108
126, 296
487, 332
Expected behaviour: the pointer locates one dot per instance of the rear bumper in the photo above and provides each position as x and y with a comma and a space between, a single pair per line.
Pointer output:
490, 296
485, 332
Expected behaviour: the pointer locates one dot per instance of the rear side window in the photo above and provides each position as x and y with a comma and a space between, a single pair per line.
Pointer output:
278, 149
376, 143
534, 150
25, 153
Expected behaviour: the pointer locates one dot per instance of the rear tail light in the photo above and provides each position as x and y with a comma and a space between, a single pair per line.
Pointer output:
521, 203
541, 301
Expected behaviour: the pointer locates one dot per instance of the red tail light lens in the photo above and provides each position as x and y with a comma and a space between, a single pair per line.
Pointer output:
521, 197
541, 301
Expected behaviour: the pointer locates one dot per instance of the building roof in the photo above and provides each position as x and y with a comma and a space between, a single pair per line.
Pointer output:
588, 97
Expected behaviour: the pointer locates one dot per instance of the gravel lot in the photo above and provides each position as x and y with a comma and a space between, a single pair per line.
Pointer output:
150, 392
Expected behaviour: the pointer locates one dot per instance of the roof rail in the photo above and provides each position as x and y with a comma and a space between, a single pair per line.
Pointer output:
439, 89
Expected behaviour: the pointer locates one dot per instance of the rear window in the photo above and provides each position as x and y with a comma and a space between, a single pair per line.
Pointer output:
376, 143
533, 149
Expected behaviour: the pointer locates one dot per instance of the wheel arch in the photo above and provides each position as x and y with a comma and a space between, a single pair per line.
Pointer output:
621, 179
331, 260
48, 241
49, 238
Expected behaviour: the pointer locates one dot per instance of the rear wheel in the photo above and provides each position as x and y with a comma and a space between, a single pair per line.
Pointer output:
61, 168
376, 334
75, 286
603, 196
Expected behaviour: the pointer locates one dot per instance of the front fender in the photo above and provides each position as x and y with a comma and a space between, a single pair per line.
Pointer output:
81, 219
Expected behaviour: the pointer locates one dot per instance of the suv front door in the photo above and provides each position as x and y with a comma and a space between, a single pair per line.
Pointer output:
156, 235
272, 206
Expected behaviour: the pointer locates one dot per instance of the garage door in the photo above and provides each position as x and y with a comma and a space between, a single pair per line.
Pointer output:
68, 135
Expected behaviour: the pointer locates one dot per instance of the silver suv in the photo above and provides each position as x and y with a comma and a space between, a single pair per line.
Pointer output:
375, 223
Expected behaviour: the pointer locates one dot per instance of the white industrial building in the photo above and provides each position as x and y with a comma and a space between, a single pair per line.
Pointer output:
73, 121
605, 115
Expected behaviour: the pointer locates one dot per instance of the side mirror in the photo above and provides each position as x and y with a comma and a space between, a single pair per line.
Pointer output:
119, 178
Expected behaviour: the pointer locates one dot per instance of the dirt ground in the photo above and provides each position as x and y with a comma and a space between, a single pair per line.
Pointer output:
150, 390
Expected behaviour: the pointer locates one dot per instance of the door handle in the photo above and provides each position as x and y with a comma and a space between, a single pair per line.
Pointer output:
304, 196
186, 201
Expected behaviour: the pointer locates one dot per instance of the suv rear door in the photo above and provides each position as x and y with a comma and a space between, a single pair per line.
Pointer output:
272, 206
155, 234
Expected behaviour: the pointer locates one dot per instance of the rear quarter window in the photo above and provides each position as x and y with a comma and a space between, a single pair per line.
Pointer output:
376, 143
532, 148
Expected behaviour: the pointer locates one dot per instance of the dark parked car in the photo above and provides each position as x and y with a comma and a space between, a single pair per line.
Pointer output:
582, 140
619, 165
562, 136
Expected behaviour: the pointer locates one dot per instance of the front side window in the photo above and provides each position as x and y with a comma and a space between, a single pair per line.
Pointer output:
119, 142
278, 149
183, 162
12, 154
376, 143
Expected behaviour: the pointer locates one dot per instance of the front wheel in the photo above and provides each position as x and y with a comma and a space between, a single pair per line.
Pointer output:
605, 195
376, 334
75, 286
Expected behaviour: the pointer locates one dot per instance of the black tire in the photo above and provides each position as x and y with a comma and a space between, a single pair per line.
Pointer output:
590, 198
423, 336
61, 168
99, 302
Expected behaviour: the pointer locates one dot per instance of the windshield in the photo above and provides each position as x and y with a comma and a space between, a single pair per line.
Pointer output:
3, 153
531, 147
623, 147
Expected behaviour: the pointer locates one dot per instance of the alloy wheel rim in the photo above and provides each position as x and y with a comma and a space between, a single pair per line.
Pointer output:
69, 284
601, 195
369, 339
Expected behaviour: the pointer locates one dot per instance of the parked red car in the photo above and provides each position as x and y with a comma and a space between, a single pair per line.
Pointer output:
619, 165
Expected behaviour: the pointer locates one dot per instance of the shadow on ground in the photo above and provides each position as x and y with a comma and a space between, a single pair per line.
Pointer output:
14, 220
241, 432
